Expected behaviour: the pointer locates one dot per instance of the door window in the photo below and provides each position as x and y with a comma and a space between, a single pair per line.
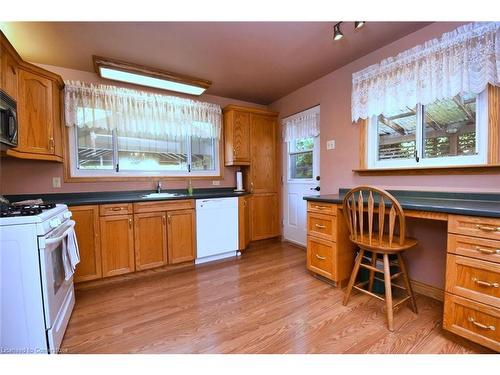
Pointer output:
300, 159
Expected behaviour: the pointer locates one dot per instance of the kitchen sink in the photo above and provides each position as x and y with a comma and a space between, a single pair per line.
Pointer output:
161, 195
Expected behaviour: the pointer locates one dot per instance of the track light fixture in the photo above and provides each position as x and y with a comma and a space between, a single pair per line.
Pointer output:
337, 33
358, 24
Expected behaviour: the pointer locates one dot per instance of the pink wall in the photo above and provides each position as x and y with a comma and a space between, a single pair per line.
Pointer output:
333, 93
25, 176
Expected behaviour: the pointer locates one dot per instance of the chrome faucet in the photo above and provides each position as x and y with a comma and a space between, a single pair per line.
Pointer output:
158, 187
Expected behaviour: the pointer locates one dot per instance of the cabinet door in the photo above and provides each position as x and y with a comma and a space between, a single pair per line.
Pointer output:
237, 136
264, 216
35, 114
263, 157
9, 75
117, 245
243, 222
150, 240
87, 235
181, 236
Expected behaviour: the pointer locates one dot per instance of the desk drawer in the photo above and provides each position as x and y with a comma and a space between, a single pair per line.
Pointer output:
322, 226
483, 227
472, 320
472, 278
474, 247
320, 255
115, 209
323, 208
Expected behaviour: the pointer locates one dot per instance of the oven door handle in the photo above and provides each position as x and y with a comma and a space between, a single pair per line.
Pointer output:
69, 227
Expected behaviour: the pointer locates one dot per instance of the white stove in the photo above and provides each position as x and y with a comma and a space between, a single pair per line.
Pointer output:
37, 298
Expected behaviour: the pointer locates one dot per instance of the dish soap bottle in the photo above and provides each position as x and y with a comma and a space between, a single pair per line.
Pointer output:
190, 187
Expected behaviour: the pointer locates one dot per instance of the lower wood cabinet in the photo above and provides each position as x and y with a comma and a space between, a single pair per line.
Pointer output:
89, 242
264, 216
244, 221
117, 244
150, 240
181, 236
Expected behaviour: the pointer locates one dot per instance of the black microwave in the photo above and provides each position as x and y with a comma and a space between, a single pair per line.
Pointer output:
8, 120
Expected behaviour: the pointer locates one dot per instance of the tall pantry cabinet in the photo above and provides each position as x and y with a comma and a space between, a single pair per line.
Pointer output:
250, 137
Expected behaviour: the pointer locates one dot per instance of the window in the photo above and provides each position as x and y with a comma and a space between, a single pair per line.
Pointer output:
300, 154
103, 153
450, 131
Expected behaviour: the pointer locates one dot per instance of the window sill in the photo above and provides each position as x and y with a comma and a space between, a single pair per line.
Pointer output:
441, 170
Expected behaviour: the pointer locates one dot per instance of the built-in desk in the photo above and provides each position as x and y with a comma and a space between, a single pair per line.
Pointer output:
472, 281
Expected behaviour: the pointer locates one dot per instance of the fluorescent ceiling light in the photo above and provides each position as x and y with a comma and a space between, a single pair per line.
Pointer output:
145, 76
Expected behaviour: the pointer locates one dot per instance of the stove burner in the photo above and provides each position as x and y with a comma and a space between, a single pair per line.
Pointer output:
24, 210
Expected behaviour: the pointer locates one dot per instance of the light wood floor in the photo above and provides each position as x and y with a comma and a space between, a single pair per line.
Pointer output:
263, 302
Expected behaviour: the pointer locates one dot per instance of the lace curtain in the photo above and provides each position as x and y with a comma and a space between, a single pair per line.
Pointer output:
463, 60
139, 113
302, 125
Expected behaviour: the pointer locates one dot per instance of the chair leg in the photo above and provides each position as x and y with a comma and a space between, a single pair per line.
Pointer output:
372, 273
406, 280
354, 274
388, 293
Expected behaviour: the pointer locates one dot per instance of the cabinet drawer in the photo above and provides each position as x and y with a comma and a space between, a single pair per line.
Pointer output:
475, 226
472, 320
322, 226
324, 208
472, 278
115, 209
320, 255
184, 204
474, 247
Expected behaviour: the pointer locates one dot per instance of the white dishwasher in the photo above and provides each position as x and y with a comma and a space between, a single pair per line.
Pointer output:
216, 228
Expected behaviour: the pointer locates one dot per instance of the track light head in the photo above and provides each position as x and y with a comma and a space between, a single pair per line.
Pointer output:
358, 24
337, 33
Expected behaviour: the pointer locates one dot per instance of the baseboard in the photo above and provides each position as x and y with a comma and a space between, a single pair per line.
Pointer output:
427, 290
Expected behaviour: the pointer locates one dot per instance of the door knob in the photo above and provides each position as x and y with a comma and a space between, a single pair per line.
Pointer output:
317, 188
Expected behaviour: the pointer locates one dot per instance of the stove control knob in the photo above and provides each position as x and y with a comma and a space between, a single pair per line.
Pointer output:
54, 223
67, 214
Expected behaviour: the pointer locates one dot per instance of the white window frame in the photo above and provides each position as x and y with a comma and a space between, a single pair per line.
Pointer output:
462, 160
96, 173
315, 151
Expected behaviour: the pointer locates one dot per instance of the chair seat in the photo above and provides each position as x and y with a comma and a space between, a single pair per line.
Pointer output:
383, 246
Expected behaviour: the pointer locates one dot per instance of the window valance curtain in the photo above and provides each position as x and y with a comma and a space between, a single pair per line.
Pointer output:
302, 125
139, 113
463, 60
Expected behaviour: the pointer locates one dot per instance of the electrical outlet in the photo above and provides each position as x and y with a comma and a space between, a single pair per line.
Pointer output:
330, 145
56, 182
216, 182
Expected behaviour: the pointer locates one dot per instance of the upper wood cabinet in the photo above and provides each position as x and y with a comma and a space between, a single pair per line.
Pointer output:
263, 165
237, 137
150, 240
88, 237
117, 244
181, 236
38, 95
9, 76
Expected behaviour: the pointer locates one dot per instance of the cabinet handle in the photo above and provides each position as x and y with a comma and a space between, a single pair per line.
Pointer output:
487, 251
117, 208
487, 228
235, 151
320, 226
485, 283
251, 187
163, 220
320, 257
320, 207
169, 219
130, 223
51, 142
481, 325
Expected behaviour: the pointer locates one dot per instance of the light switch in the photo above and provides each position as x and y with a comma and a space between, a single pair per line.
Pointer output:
330, 145
56, 182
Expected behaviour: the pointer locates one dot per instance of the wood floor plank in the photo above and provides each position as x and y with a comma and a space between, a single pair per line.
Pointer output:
263, 302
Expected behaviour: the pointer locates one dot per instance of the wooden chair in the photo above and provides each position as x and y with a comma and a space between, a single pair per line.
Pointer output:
378, 243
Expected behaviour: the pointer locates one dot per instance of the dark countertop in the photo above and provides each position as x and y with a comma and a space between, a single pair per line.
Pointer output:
75, 199
472, 204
